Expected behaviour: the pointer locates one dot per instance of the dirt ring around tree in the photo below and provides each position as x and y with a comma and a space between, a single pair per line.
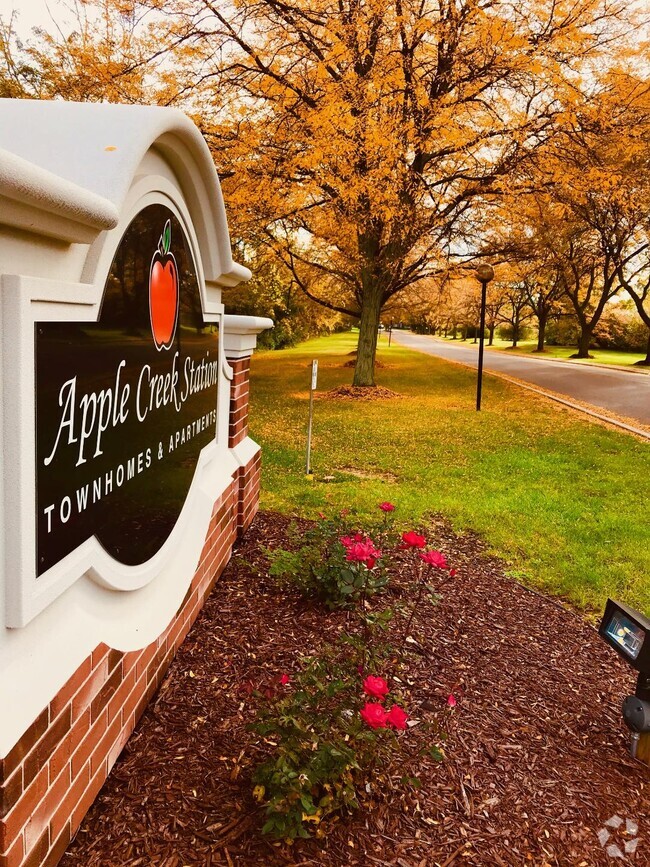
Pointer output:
358, 392
378, 364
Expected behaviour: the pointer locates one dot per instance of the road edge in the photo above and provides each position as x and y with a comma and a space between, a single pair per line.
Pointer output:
628, 428
590, 412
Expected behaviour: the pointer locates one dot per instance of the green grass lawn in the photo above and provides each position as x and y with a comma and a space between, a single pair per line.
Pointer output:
601, 356
562, 500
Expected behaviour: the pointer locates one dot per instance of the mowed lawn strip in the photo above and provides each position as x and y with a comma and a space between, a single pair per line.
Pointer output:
562, 500
600, 356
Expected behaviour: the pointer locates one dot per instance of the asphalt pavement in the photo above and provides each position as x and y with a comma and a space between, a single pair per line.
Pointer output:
606, 390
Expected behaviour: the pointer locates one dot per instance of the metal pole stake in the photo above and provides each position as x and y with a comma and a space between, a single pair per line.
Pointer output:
314, 381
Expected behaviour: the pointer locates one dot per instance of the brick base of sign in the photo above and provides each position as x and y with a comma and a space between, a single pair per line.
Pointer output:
239, 390
248, 481
53, 774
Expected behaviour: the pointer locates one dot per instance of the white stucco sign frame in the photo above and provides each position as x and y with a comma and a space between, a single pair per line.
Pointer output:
66, 197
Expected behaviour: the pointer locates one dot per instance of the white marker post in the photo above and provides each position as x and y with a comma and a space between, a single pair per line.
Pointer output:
314, 383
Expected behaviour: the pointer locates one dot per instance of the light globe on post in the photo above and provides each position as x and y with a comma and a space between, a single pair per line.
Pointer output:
483, 273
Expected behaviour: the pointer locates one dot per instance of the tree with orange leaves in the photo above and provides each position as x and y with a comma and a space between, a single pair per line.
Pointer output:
582, 232
358, 135
106, 50
356, 139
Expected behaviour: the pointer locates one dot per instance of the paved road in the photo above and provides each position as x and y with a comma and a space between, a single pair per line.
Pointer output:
620, 392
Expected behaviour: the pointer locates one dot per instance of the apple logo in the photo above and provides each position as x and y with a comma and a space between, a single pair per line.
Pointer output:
163, 291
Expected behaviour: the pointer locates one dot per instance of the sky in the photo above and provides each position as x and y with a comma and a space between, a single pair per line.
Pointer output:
33, 13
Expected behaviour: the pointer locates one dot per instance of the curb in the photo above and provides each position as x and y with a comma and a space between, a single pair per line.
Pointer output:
644, 434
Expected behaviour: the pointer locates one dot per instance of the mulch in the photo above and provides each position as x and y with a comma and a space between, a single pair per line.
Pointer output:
535, 757
358, 392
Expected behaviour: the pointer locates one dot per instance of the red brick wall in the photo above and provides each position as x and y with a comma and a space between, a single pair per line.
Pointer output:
249, 492
52, 775
238, 429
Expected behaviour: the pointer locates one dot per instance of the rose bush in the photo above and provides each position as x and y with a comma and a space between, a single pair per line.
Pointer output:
336, 563
335, 724
327, 742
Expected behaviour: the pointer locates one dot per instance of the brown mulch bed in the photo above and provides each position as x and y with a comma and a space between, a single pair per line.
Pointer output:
535, 762
358, 392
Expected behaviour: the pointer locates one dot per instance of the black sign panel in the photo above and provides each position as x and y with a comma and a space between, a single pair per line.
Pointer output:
125, 405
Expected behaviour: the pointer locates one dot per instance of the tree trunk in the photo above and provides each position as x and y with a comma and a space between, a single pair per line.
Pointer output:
492, 329
583, 343
364, 369
646, 360
541, 334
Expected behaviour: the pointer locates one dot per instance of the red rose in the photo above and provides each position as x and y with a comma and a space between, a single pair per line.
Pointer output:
373, 715
396, 718
413, 540
387, 507
362, 552
346, 541
451, 701
284, 679
434, 558
376, 687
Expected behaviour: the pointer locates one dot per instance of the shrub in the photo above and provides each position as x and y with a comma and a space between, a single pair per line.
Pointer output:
562, 332
330, 739
621, 328
336, 727
335, 562
507, 332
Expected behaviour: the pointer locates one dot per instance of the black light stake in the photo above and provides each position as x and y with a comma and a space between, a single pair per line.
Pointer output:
628, 632
484, 273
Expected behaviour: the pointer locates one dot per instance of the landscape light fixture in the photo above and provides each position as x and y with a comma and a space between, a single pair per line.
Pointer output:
627, 631
484, 273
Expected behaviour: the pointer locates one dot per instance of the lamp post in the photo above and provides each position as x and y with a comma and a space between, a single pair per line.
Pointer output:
484, 273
